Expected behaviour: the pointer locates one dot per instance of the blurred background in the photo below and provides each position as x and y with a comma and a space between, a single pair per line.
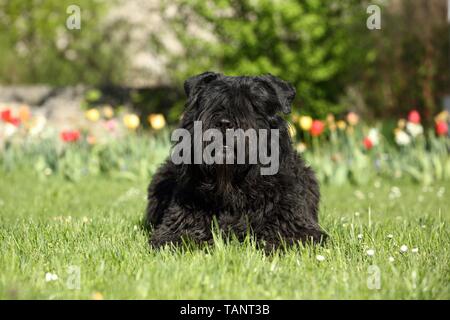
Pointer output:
127, 61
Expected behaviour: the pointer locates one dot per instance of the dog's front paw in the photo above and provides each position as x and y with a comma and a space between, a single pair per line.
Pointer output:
314, 236
159, 239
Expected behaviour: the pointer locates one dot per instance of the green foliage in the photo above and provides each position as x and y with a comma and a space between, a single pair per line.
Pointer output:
323, 47
307, 43
37, 47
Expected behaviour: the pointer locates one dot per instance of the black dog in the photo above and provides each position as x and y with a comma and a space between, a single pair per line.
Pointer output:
185, 200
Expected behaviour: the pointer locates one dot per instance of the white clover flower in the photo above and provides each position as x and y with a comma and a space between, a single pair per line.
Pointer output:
360, 236
396, 190
370, 252
403, 248
320, 258
391, 259
359, 194
390, 236
395, 193
50, 277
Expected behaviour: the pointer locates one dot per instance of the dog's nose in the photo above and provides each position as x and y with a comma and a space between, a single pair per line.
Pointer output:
225, 124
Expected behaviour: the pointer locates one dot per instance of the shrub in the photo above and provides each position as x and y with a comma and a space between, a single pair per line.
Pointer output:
307, 43
38, 48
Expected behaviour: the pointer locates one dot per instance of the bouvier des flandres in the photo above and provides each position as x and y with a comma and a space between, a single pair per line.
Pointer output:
189, 200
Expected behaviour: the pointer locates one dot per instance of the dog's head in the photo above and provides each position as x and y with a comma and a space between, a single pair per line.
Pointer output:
242, 102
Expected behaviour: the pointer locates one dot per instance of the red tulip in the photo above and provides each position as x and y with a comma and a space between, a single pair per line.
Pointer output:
6, 115
368, 144
14, 121
441, 128
414, 116
317, 128
70, 135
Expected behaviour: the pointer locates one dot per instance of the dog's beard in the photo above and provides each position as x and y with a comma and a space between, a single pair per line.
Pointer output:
221, 177
224, 174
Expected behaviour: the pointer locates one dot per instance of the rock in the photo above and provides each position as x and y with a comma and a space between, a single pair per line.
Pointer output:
33, 95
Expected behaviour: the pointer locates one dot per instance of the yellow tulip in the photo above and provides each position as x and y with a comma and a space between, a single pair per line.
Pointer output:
131, 121
331, 122
305, 123
341, 124
157, 121
401, 124
24, 113
442, 116
108, 112
330, 118
92, 115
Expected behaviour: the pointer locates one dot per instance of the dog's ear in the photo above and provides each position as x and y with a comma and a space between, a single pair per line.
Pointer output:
283, 90
191, 84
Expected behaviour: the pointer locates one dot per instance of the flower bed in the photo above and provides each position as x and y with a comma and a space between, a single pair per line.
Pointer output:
115, 143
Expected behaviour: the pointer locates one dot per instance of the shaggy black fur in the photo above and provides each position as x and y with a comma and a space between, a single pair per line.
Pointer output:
184, 200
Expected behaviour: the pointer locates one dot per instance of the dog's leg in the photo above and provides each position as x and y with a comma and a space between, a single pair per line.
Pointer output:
279, 235
160, 195
181, 226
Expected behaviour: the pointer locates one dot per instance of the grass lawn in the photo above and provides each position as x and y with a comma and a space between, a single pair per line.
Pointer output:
54, 226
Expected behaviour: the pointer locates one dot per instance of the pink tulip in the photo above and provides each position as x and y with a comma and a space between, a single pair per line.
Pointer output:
414, 116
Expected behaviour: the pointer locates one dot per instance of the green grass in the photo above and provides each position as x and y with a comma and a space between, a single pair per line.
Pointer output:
49, 225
